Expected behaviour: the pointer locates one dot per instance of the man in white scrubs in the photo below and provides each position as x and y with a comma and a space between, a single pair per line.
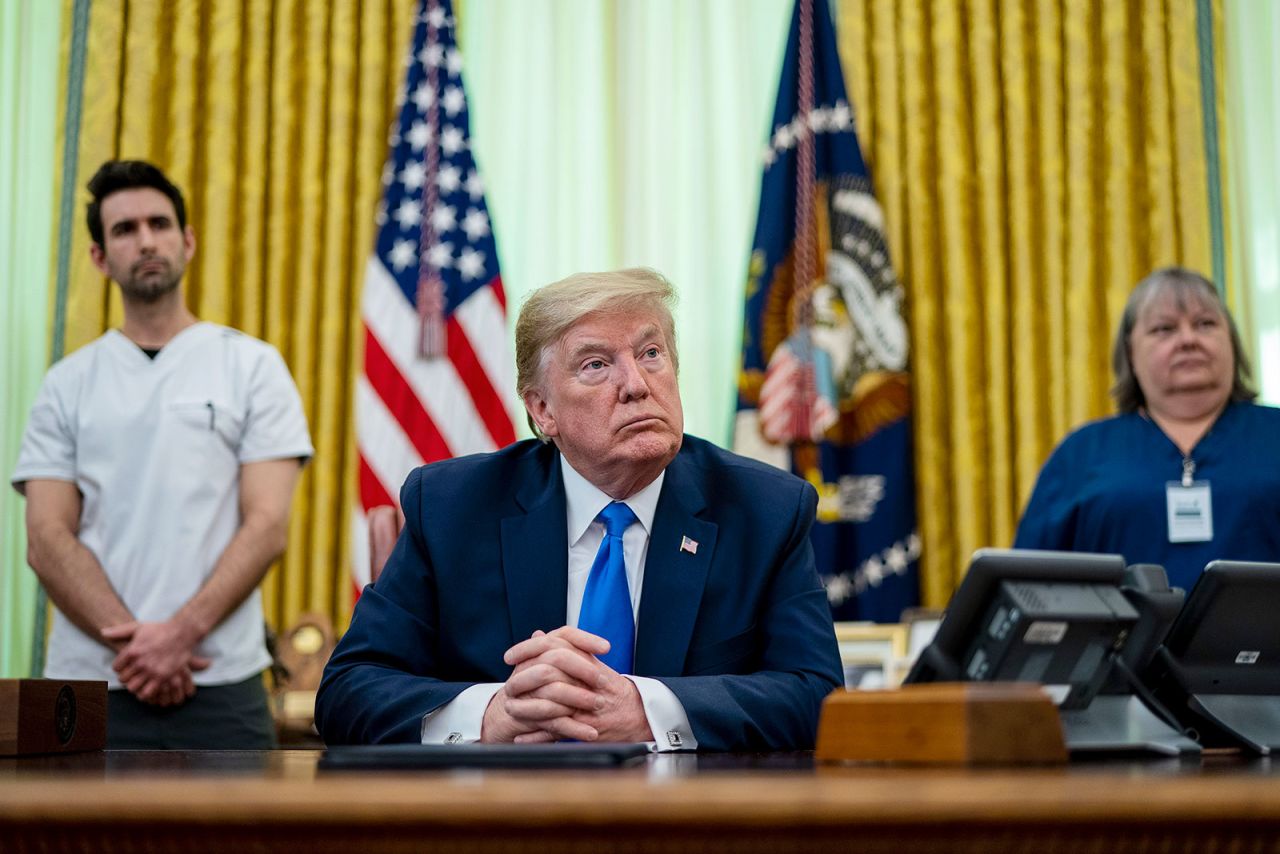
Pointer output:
159, 465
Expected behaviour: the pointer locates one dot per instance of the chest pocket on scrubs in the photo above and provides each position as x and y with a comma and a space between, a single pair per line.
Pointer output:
206, 425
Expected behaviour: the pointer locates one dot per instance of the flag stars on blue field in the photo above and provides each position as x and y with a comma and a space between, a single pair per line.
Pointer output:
475, 224
448, 179
474, 186
413, 175
895, 558
437, 18
841, 117
432, 185
453, 100
444, 219
409, 214
471, 263
419, 135
432, 55
873, 570
452, 140
423, 97
440, 255
839, 588
833, 119
404, 254
784, 138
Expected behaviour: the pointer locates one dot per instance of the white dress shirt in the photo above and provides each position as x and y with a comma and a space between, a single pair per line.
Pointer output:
461, 719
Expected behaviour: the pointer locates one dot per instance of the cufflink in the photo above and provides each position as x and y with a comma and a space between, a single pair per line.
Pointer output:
453, 738
674, 739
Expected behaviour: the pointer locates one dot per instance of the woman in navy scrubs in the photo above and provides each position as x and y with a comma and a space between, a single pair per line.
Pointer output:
1189, 471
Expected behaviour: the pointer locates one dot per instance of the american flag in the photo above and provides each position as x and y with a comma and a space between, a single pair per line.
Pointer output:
437, 378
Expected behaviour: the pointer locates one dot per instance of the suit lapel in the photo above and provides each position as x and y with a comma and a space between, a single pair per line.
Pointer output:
673, 577
535, 545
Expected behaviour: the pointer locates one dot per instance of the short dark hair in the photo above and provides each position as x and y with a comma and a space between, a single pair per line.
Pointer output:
1182, 284
116, 175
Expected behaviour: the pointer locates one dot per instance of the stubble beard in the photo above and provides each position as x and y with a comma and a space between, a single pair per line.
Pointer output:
151, 287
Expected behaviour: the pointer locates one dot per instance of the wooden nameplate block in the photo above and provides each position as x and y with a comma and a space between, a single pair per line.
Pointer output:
52, 716
942, 723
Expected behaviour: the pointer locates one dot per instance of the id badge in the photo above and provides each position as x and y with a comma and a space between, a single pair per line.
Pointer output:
1190, 512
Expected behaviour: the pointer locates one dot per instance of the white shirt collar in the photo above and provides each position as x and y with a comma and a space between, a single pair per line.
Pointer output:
584, 501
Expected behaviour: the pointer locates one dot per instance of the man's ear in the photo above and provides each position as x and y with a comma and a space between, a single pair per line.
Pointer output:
189, 242
540, 411
99, 258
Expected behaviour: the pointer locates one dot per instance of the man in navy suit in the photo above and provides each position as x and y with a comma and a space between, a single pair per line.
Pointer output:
502, 614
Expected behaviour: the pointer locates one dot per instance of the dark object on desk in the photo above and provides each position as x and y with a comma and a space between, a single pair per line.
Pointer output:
390, 757
1147, 588
1218, 671
1125, 717
943, 724
52, 716
1060, 619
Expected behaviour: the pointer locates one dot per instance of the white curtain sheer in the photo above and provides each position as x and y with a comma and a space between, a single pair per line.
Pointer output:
28, 103
1252, 92
630, 133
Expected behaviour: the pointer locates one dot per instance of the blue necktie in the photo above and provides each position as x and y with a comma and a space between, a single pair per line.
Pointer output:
606, 603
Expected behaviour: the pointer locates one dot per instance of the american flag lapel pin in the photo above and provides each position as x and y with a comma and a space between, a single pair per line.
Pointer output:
688, 545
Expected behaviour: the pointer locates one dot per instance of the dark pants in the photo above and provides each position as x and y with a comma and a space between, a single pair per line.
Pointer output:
222, 717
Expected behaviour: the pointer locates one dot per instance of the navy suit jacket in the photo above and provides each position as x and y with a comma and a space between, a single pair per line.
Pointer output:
740, 631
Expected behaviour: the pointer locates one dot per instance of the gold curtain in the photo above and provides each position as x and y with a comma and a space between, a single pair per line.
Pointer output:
1034, 158
271, 115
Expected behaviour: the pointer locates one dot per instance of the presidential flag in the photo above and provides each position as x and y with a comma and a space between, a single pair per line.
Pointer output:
823, 388
438, 375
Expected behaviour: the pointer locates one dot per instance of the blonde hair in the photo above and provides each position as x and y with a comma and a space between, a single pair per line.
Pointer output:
549, 312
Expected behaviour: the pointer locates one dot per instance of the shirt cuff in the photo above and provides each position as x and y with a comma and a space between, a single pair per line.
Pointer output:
461, 719
666, 715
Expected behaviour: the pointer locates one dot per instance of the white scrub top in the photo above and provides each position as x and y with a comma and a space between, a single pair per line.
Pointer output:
155, 447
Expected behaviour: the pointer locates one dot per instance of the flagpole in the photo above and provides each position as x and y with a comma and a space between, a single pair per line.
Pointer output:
431, 340
805, 262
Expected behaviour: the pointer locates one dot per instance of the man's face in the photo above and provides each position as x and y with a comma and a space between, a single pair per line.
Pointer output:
609, 399
144, 250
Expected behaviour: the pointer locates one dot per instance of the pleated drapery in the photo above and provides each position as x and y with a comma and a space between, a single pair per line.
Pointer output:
272, 117
1034, 158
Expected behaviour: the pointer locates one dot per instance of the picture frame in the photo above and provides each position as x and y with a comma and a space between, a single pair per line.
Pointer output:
873, 655
921, 624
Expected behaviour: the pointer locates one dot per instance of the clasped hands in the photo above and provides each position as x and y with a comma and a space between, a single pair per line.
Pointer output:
155, 661
561, 690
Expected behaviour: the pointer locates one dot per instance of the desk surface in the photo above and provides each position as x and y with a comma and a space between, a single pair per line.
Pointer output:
198, 801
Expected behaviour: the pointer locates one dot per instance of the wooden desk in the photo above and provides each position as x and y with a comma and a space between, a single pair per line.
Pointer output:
127, 801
